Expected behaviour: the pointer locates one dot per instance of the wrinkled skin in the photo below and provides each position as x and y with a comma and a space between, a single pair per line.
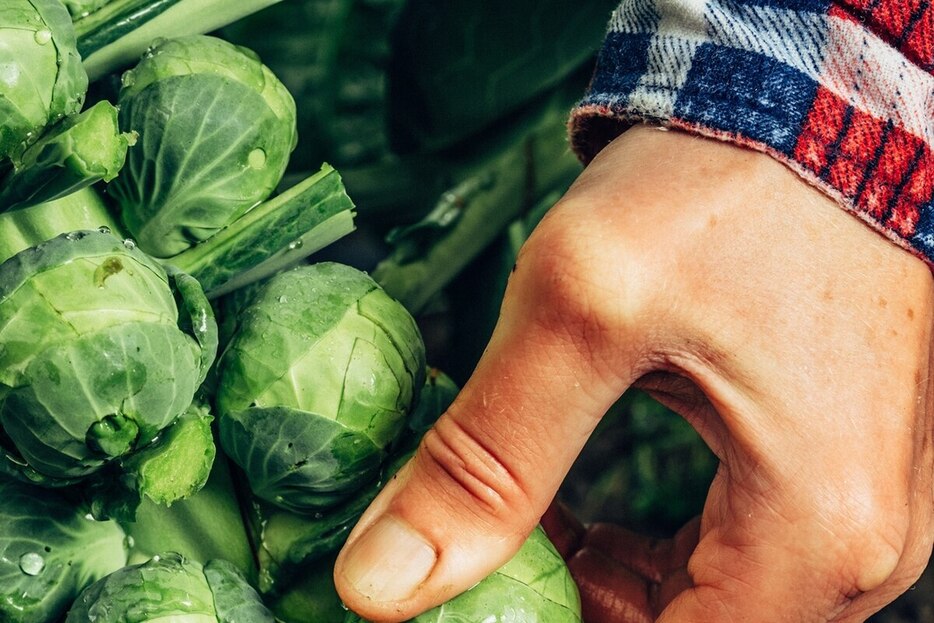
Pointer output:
792, 336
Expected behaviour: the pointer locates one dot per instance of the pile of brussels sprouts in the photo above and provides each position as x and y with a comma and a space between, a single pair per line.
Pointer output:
192, 414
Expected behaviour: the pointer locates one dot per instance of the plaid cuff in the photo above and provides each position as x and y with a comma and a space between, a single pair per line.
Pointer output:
841, 93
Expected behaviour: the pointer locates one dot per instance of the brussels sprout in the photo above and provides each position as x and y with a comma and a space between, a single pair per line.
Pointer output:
535, 586
215, 127
50, 550
170, 587
100, 349
42, 79
316, 384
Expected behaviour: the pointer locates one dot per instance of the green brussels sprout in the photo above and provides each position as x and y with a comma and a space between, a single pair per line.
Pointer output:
316, 383
43, 78
50, 550
100, 350
170, 587
535, 586
215, 128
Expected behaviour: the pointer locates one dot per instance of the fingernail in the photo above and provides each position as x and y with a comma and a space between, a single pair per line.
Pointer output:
389, 561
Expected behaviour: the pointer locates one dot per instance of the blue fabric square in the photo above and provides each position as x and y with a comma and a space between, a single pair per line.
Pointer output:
808, 6
923, 240
621, 64
746, 93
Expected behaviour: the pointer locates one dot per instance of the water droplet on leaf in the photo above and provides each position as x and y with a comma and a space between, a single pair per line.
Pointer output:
257, 159
31, 563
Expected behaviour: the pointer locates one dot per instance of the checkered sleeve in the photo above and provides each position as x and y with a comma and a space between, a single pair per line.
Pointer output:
841, 91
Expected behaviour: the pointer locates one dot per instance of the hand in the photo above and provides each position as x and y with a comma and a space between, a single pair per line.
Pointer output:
794, 338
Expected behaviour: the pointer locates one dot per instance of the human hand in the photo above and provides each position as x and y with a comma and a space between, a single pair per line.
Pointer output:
794, 339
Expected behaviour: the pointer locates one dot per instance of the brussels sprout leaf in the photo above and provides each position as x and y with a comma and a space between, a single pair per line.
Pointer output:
49, 551
80, 150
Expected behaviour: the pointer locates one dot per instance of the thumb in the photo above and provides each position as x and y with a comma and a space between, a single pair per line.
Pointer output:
486, 472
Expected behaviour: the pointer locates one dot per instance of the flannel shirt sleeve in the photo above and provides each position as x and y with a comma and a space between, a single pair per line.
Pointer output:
840, 91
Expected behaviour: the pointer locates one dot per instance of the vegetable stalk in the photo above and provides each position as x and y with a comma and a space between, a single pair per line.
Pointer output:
81, 210
467, 218
274, 235
119, 33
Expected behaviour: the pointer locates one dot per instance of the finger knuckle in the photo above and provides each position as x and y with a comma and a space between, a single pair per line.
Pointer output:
872, 537
471, 477
582, 279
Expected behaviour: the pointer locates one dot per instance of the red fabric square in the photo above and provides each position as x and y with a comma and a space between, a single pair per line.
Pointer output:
811, 153
826, 116
838, 12
846, 174
919, 45
904, 217
863, 136
892, 16
876, 198
821, 129
897, 156
919, 187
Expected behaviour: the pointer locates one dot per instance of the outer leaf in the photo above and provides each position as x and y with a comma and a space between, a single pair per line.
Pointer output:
170, 587
298, 460
533, 587
167, 585
196, 317
235, 601
49, 551
291, 545
55, 290
79, 151
277, 329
